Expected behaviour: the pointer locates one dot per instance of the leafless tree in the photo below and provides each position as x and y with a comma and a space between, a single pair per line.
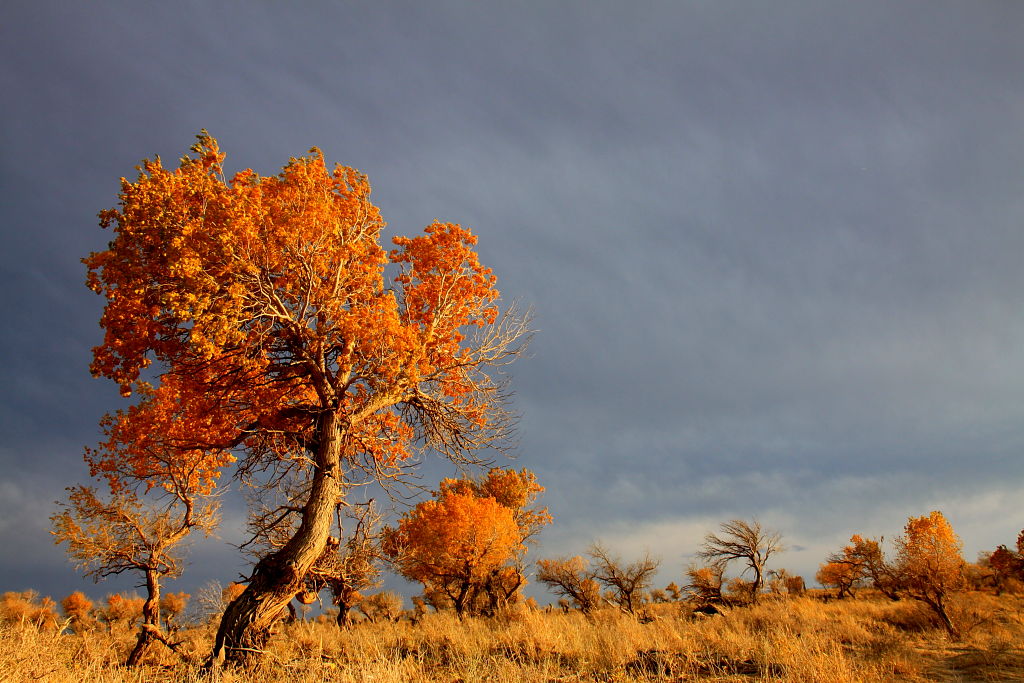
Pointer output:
744, 541
573, 579
626, 581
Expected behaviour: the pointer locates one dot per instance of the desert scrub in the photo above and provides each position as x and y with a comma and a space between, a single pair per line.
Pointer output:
801, 639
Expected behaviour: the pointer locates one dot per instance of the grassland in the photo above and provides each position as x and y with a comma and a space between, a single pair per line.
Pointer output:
788, 639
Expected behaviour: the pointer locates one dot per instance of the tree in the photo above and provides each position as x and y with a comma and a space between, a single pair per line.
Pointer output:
460, 543
27, 608
172, 606
842, 576
745, 541
795, 585
383, 606
518, 491
106, 537
865, 558
78, 609
626, 581
1007, 565
705, 583
122, 610
930, 564
259, 309
452, 545
573, 579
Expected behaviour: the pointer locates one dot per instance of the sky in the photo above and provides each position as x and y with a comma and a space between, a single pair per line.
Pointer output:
773, 249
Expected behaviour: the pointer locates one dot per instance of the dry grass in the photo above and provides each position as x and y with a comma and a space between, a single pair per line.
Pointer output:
801, 639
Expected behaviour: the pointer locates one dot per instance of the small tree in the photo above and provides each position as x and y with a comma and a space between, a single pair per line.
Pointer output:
383, 606
795, 585
451, 545
27, 608
744, 541
1007, 565
120, 534
78, 608
573, 579
705, 583
865, 558
626, 581
172, 606
839, 575
122, 610
467, 543
930, 564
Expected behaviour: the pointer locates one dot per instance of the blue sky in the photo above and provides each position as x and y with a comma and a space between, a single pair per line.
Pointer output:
773, 249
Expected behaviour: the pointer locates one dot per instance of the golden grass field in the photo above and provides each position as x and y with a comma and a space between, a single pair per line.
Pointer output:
789, 639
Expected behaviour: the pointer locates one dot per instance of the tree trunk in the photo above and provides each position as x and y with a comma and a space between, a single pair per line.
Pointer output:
940, 609
245, 627
755, 590
150, 620
343, 615
462, 598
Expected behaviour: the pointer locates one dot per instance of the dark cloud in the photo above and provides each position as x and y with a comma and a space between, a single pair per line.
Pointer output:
773, 253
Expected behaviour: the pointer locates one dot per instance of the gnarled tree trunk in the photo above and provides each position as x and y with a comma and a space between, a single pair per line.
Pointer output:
150, 620
245, 627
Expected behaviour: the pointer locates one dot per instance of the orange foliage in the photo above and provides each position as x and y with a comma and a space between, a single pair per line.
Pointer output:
459, 543
930, 563
27, 608
262, 305
232, 591
123, 608
705, 583
511, 489
929, 557
865, 558
77, 607
457, 535
839, 575
262, 295
173, 604
1008, 564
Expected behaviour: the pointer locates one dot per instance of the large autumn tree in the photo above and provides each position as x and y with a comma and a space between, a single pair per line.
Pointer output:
261, 321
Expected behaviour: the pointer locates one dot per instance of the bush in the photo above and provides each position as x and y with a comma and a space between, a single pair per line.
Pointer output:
27, 608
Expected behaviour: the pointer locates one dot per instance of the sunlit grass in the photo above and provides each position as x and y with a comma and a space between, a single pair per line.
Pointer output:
796, 639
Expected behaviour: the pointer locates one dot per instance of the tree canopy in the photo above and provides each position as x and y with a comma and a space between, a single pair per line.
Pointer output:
260, 320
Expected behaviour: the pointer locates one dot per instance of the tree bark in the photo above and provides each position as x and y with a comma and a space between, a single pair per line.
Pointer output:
150, 619
755, 590
245, 627
343, 615
462, 598
939, 608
